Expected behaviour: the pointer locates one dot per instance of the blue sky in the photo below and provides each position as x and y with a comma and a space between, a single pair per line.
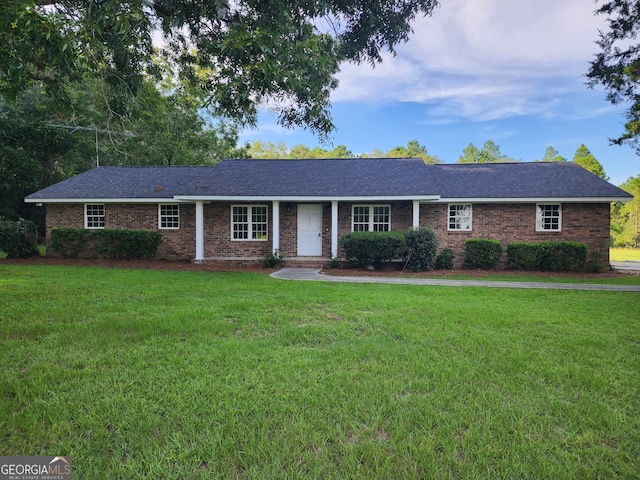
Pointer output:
477, 70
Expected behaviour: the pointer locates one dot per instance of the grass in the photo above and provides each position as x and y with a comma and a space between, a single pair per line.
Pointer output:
629, 279
42, 249
211, 375
624, 254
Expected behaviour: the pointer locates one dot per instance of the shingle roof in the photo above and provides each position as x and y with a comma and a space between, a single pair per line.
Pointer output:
386, 177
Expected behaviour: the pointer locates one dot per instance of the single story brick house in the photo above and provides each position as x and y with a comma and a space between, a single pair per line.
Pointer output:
242, 210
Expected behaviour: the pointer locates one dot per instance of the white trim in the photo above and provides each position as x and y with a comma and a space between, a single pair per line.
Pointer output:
549, 230
535, 200
104, 200
416, 214
249, 207
303, 199
160, 205
334, 229
86, 216
275, 219
387, 198
470, 229
371, 207
199, 232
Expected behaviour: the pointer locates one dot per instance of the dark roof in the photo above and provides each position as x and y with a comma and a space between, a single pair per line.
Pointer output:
386, 177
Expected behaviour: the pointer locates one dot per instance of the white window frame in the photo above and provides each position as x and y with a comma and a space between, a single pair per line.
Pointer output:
458, 219
371, 217
250, 224
92, 218
170, 220
542, 214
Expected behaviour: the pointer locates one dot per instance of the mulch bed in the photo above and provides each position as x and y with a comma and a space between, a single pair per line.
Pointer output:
391, 270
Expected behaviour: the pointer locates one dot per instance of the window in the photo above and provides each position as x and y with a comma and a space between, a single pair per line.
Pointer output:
371, 218
249, 222
169, 216
460, 216
94, 216
548, 217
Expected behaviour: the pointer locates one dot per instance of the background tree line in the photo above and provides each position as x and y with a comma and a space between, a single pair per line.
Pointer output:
81, 82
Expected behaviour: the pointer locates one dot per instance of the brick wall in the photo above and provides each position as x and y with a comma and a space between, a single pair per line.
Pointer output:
587, 223
176, 244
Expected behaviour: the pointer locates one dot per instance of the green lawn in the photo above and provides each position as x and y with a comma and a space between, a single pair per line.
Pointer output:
623, 254
211, 375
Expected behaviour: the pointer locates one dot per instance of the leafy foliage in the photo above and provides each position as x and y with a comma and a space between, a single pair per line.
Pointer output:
107, 243
373, 248
625, 217
18, 239
284, 54
552, 155
422, 243
547, 256
489, 153
586, 160
445, 259
413, 150
274, 259
617, 65
482, 253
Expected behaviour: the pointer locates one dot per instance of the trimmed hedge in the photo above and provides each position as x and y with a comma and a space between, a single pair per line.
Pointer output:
372, 248
422, 244
482, 253
19, 239
106, 243
547, 256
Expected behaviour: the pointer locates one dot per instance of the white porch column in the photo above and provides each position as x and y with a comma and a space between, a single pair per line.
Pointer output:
276, 225
416, 213
334, 228
199, 231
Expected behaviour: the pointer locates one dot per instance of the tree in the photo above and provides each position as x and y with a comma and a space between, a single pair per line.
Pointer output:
284, 54
489, 153
43, 141
413, 150
552, 155
617, 65
586, 160
625, 217
258, 149
341, 151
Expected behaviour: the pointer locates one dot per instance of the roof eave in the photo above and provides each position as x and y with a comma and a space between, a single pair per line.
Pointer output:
101, 200
533, 199
309, 198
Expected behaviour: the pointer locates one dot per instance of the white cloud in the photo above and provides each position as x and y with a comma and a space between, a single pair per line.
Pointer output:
484, 59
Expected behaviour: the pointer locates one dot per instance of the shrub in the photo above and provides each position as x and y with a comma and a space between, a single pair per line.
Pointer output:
445, 259
127, 244
107, 243
69, 242
482, 253
274, 259
372, 248
19, 239
333, 263
422, 244
547, 256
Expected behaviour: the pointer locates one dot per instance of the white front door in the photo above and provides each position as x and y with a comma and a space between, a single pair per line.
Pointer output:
310, 230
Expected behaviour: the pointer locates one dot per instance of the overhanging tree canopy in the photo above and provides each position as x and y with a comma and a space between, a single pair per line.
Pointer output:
617, 65
283, 53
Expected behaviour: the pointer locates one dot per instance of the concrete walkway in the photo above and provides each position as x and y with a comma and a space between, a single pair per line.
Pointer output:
629, 265
313, 274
